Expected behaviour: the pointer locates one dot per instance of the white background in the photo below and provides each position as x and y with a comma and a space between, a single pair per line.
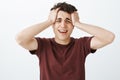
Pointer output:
17, 64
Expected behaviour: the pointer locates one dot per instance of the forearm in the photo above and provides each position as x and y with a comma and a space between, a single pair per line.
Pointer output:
28, 33
99, 33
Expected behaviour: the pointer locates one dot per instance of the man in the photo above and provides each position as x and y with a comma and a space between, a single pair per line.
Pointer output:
63, 57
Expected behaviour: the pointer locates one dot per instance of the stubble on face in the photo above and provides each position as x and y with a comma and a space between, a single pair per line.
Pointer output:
63, 28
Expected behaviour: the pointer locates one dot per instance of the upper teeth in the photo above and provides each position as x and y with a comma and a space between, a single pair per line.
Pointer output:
63, 30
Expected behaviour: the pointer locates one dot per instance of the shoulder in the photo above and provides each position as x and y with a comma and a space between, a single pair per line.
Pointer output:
39, 39
84, 39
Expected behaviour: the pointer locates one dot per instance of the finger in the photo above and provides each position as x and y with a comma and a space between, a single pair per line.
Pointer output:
57, 9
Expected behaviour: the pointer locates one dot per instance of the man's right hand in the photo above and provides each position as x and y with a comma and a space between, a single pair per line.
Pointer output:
26, 38
53, 15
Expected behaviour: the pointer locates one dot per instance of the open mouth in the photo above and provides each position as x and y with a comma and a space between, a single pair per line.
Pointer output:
63, 31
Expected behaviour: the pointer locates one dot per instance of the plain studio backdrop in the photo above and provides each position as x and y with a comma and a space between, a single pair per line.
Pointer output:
17, 63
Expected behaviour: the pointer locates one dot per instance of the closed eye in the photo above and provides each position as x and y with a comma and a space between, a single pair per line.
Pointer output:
58, 20
68, 20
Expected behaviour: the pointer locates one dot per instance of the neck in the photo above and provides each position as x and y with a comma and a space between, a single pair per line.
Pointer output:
62, 42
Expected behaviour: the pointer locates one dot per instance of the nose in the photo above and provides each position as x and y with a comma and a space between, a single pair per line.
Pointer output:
63, 24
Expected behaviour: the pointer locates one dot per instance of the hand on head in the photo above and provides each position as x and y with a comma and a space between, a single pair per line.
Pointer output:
75, 18
53, 15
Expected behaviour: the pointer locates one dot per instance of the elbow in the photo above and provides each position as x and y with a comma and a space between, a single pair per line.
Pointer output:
110, 38
19, 39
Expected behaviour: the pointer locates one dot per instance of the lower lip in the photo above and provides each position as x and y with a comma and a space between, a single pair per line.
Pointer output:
63, 33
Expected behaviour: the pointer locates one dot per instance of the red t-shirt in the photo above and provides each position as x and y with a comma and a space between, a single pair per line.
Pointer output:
62, 62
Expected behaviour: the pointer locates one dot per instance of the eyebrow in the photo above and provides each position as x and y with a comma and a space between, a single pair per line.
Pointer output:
68, 19
65, 19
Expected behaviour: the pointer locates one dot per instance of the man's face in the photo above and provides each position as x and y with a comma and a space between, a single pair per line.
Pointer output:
63, 26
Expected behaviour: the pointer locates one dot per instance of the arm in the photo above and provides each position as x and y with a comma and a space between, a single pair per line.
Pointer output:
26, 39
102, 37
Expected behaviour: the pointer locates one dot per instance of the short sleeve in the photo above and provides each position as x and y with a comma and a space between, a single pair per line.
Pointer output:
37, 51
86, 43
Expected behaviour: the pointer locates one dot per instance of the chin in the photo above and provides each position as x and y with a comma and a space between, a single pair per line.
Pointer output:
63, 38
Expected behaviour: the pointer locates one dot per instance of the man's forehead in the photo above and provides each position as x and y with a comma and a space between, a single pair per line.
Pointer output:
62, 14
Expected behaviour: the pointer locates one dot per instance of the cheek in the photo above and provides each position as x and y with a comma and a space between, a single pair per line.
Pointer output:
54, 28
71, 29
71, 26
54, 25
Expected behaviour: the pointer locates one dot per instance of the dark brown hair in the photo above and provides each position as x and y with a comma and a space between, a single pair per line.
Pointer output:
64, 7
